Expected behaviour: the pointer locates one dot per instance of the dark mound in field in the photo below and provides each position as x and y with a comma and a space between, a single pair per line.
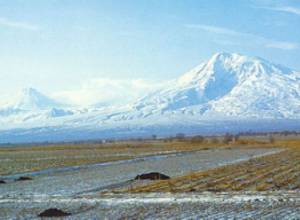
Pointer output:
152, 176
53, 213
24, 178
2, 182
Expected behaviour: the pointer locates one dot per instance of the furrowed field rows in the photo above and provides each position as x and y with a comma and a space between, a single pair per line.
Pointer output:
280, 171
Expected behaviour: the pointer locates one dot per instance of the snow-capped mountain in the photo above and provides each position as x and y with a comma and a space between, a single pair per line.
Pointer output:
229, 92
31, 104
31, 99
231, 85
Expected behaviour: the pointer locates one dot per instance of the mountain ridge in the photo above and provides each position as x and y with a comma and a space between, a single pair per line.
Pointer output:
228, 87
224, 75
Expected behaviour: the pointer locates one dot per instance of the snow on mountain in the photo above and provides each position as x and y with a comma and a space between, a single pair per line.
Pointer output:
227, 92
31, 99
30, 104
230, 85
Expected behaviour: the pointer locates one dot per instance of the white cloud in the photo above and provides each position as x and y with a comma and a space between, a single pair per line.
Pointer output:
287, 9
265, 42
214, 29
282, 45
16, 24
108, 91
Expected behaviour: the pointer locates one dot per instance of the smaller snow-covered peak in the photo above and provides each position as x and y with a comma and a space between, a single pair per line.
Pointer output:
32, 99
29, 91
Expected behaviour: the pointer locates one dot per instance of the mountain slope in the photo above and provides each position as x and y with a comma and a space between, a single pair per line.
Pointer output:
30, 104
31, 99
231, 85
227, 93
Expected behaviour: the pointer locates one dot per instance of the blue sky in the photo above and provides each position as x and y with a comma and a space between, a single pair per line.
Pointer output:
73, 47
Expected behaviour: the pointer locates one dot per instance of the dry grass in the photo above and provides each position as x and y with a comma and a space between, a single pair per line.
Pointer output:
32, 158
273, 172
19, 159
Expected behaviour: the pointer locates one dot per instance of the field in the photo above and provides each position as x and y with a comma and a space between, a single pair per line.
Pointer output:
251, 177
21, 159
280, 171
28, 158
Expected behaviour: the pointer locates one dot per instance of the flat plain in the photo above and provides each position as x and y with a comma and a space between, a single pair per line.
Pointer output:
253, 177
28, 158
280, 171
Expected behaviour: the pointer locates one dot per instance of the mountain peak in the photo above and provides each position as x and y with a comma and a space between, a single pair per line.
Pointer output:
224, 65
238, 61
29, 91
221, 55
31, 99
226, 77
219, 64
230, 59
